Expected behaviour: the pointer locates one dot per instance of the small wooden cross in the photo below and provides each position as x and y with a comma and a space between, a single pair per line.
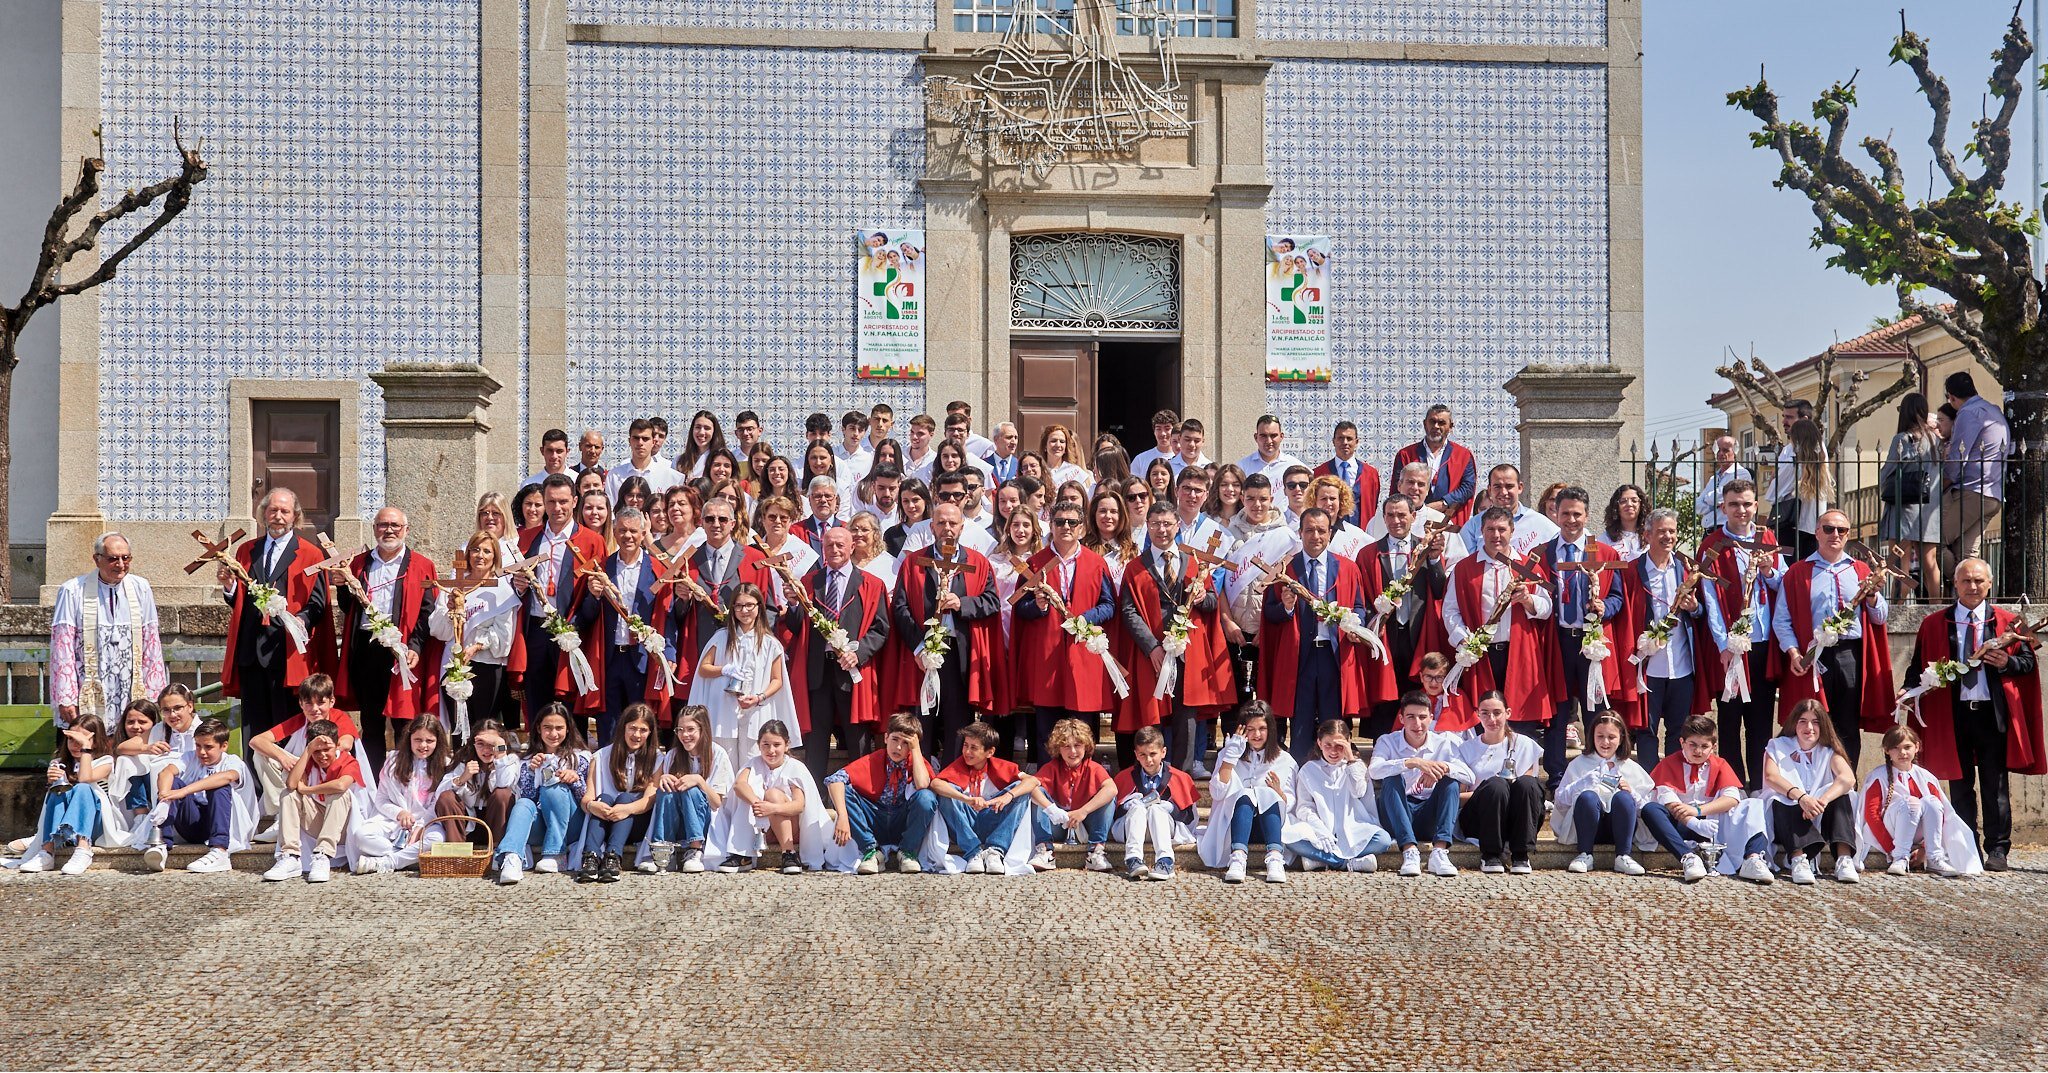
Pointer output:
338, 563
1208, 557
1029, 579
221, 552
780, 564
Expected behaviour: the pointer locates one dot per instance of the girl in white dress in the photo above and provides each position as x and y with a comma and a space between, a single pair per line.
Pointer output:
1902, 808
773, 798
1601, 797
1333, 798
1253, 792
1811, 786
416, 785
695, 782
741, 679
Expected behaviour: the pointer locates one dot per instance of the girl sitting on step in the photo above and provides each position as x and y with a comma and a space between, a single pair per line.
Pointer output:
1601, 797
551, 782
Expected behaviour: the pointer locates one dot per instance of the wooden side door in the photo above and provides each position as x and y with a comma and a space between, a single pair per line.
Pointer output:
1052, 381
298, 446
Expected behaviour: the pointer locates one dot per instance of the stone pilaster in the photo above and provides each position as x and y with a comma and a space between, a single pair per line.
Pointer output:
1572, 422
434, 457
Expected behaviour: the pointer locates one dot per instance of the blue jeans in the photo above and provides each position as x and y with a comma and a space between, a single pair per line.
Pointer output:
1407, 819
139, 795
1669, 704
904, 826
1615, 825
1683, 840
1248, 824
555, 806
681, 816
1095, 826
204, 818
1380, 844
616, 833
71, 814
990, 828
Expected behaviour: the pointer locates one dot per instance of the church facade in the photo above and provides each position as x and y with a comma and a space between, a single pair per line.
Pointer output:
622, 207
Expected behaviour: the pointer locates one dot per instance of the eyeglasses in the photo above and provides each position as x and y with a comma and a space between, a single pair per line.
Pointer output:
951, 497
117, 558
1066, 523
1297, 486
1835, 530
713, 519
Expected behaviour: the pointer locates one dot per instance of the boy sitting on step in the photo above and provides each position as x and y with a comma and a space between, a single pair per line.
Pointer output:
1155, 799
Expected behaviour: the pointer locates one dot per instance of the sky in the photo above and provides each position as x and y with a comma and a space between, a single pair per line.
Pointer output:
1728, 260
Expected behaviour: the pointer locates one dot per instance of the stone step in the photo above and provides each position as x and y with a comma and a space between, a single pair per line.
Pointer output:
1548, 855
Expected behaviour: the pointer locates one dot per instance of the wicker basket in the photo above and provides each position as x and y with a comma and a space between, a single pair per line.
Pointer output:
471, 867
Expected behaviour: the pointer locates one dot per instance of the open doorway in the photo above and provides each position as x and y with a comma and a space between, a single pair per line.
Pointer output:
1134, 379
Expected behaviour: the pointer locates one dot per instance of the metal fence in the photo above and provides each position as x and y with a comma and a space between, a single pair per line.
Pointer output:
1901, 530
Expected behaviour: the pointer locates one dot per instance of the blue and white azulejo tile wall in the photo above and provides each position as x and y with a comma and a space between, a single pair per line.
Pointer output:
887, 16
336, 231
713, 195
1469, 208
1578, 23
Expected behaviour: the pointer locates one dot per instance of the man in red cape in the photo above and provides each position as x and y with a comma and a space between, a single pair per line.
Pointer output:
1989, 722
401, 584
1580, 594
1745, 724
1681, 680
263, 667
1310, 669
1163, 579
1852, 677
831, 702
562, 590
1345, 465
1052, 671
1454, 474
1519, 660
969, 676
1415, 626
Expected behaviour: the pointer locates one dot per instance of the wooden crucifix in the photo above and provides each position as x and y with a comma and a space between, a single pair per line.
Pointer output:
780, 564
678, 575
460, 582
221, 552
1029, 579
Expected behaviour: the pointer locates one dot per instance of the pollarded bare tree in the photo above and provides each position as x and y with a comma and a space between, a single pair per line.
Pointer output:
60, 246
1966, 243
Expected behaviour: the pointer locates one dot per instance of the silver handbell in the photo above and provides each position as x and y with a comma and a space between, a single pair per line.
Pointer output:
1710, 852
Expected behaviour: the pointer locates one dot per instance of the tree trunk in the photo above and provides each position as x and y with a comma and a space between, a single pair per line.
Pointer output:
2023, 553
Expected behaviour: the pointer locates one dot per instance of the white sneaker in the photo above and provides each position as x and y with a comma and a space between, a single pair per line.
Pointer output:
1695, 869
1940, 866
1235, 873
1521, 867
907, 864
1627, 865
366, 864
1440, 863
1098, 860
1367, 863
1802, 871
213, 860
158, 857
1756, 869
977, 863
1902, 866
1411, 862
286, 867
547, 866
1042, 858
319, 871
693, 860
37, 861
1310, 864
1491, 866
1276, 866
870, 863
81, 859
268, 834
997, 864
1846, 871
1581, 863
647, 867
1201, 771
511, 871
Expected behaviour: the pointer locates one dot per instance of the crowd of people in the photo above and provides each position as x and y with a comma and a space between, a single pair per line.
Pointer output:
875, 654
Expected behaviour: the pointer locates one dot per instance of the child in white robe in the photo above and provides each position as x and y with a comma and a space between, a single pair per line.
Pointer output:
551, 783
773, 797
1902, 807
138, 756
742, 679
1253, 794
1155, 800
1698, 801
1333, 799
415, 786
487, 782
1811, 787
695, 782
1601, 797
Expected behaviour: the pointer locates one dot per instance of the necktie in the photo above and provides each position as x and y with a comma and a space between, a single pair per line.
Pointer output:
1569, 553
832, 591
1314, 585
1975, 633
1172, 569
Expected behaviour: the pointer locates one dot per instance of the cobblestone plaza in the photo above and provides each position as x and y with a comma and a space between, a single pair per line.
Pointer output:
1064, 971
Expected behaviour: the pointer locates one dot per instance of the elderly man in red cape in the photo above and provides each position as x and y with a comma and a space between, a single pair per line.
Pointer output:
1454, 473
1414, 626
968, 677
1852, 677
1052, 670
831, 702
263, 667
1309, 669
559, 588
1680, 679
1164, 579
400, 583
1520, 653
1988, 722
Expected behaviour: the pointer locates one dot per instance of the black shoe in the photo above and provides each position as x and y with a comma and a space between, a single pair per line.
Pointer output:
792, 863
608, 872
1994, 861
591, 869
